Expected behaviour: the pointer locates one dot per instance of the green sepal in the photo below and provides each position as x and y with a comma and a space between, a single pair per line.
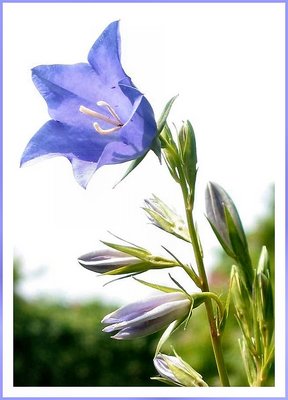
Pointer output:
164, 224
170, 152
186, 374
167, 333
165, 218
264, 298
188, 152
156, 147
138, 252
165, 289
164, 380
142, 254
187, 268
240, 248
242, 301
136, 268
222, 321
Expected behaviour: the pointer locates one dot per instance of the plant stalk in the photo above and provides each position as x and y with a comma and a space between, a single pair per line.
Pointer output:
215, 335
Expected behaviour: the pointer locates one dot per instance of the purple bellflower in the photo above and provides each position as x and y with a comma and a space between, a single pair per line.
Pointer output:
98, 116
145, 317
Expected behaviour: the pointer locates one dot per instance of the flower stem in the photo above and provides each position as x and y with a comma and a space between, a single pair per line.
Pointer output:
215, 334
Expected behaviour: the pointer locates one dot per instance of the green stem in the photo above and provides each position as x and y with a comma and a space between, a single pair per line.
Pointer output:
215, 335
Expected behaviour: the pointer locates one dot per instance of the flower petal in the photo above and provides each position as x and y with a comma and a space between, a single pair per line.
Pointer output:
104, 55
140, 129
163, 314
102, 261
133, 310
147, 326
57, 139
66, 87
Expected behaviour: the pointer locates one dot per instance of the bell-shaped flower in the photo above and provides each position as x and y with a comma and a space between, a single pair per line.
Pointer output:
175, 371
98, 116
145, 317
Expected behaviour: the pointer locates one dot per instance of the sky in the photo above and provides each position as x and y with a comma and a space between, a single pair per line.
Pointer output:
226, 62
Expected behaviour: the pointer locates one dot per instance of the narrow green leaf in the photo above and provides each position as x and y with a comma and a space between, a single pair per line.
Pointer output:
163, 117
131, 167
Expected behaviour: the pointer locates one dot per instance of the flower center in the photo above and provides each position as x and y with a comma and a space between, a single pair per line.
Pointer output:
115, 120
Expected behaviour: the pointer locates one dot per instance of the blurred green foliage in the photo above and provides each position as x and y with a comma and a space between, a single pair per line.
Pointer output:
62, 345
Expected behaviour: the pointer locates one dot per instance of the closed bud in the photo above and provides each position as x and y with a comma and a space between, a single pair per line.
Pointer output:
188, 151
122, 260
103, 261
226, 224
170, 151
241, 299
145, 317
264, 296
175, 371
165, 218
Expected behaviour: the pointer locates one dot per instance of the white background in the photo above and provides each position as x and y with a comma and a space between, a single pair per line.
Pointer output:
226, 61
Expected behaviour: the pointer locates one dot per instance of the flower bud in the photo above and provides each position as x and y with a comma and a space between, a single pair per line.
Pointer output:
188, 151
174, 370
165, 218
145, 317
263, 291
103, 261
123, 260
170, 152
241, 299
226, 224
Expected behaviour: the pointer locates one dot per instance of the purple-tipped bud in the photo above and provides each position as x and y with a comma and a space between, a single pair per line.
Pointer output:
217, 199
225, 221
145, 317
103, 261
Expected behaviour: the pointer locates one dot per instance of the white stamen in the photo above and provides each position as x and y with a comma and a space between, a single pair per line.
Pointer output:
105, 131
97, 115
110, 109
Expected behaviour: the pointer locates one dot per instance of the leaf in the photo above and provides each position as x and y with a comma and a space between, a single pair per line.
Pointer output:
131, 167
163, 117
